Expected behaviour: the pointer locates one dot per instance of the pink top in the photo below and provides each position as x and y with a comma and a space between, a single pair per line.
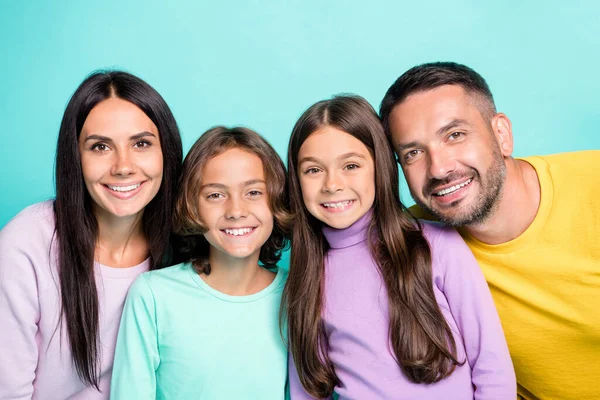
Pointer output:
35, 356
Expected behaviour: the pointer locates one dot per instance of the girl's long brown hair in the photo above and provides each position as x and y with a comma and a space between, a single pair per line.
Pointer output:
420, 338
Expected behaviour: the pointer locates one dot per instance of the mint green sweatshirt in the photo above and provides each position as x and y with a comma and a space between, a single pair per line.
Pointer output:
181, 339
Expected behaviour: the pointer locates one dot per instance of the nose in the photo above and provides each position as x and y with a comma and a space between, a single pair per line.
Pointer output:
236, 208
123, 164
441, 163
333, 183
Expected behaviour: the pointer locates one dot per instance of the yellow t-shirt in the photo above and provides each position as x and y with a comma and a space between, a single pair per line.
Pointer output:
546, 282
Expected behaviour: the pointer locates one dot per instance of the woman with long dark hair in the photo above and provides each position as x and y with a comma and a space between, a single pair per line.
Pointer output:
378, 305
66, 265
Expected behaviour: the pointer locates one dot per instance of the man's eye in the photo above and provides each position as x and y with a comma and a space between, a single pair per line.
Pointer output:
254, 193
214, 196
411, 154
456, 135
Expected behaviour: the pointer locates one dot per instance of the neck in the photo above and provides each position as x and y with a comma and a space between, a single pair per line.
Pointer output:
121, 242
516, 209
236, 276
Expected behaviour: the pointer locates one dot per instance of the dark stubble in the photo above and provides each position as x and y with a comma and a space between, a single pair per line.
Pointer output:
491, 182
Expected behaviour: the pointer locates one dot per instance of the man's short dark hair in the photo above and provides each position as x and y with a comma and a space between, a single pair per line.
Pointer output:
432, 75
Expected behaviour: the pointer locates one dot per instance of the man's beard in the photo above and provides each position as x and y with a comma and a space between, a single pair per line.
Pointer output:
491, 184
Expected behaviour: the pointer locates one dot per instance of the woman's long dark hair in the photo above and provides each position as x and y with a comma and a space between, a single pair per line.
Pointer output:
76, 225
420, 338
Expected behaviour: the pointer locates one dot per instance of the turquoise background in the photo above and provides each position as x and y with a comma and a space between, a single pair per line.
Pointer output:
261, 63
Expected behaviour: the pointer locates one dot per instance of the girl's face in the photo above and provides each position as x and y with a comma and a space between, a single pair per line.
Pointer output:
234, 204
337, 177
121, 158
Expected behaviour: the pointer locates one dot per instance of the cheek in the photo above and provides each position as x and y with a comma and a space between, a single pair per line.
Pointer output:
91, 169
153, 165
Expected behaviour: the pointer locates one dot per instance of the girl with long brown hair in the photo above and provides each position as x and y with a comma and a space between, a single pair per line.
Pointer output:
377, 304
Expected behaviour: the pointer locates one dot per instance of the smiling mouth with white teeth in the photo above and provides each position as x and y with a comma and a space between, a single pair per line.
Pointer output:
453, 189
339, 204
122, 189
238, 232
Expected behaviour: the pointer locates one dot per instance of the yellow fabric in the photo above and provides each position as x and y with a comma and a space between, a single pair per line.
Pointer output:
546, 282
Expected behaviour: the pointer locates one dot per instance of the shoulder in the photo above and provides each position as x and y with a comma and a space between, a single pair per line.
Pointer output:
570, 165
439, 235
159, 277
39, 216
419, 213
448, 248
29, 233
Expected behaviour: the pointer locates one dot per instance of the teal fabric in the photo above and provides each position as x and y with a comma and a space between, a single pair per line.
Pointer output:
181, 339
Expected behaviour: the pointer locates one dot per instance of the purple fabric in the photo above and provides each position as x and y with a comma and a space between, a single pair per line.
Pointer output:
356, 318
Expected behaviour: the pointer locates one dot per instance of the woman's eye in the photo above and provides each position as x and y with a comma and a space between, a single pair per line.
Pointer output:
99, 147
214, 196
142, 144
311, 170
352, 166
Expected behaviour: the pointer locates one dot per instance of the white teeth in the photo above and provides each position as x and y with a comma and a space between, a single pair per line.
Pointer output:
453, 188
339, 204
124, 188
238, 232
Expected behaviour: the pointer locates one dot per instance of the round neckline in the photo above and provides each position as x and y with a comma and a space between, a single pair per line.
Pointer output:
537, 225
111, 272
235, 299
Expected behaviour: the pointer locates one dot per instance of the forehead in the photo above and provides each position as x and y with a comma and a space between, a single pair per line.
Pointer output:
115, 116
427, 111
329, 143
232, 167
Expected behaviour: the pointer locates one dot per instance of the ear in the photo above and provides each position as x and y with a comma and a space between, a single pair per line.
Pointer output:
502, 128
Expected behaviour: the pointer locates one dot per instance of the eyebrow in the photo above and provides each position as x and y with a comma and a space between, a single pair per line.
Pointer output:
450, 125
342, 157
131, 138
224, 187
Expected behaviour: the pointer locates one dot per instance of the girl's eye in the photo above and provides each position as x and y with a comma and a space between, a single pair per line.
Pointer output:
100, 147
311, 170
142, 144
214, 196
352, 166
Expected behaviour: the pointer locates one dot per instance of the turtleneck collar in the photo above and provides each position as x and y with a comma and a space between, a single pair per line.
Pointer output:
350, 236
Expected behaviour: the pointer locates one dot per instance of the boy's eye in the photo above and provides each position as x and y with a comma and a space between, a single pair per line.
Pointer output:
99, 147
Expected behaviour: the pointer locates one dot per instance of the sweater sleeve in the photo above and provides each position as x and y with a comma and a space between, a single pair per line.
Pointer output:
474, 312
19, 310
136, 352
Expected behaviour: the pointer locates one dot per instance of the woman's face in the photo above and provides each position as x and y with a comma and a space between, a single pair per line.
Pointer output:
121, 158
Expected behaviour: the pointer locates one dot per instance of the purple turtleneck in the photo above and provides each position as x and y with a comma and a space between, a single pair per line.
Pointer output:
356, 319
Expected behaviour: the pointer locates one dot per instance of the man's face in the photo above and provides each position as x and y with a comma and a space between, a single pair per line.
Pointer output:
449, 153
